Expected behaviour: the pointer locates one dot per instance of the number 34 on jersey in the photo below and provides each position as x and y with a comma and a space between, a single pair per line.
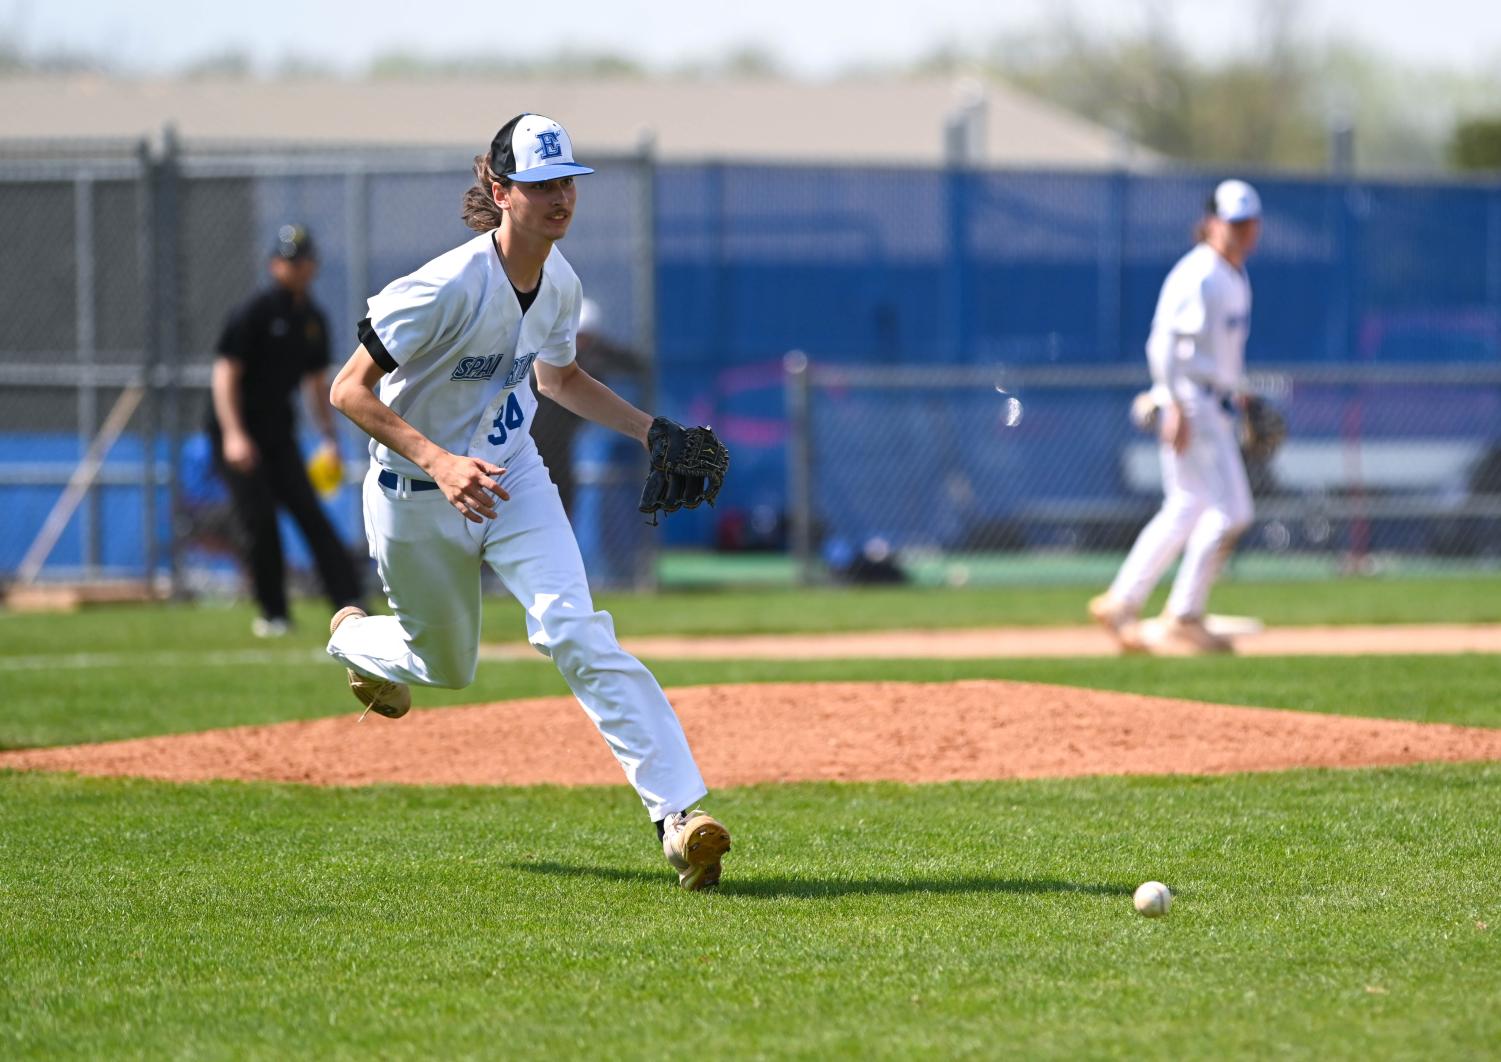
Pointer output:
509, 419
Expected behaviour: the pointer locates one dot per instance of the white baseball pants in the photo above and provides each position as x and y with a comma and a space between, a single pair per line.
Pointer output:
1206, 506
429, 560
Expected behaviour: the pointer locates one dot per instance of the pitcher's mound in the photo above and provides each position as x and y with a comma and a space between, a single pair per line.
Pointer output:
790, 732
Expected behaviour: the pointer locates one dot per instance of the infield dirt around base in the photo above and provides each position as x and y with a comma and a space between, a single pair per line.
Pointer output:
792, 732
1034, 642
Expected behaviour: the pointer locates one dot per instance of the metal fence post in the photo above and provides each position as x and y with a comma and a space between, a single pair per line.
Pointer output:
719, 257
1493, 265
646, 575
1111, 267
87, 340
161, 371
963, 149
149, 209
798, 388
955, 320
357, 229
1353, 218
171, 352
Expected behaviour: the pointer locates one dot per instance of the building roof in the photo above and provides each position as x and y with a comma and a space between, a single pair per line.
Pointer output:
868, 121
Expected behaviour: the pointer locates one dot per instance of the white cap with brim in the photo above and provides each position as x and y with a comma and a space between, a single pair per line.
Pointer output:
532, 148
1236, 201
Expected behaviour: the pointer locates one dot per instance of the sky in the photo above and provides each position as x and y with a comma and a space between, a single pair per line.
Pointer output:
812, 38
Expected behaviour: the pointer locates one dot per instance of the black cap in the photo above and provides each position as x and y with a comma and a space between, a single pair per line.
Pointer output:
293, 242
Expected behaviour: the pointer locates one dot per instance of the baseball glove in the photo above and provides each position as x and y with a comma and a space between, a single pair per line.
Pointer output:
1262, 429
687, 467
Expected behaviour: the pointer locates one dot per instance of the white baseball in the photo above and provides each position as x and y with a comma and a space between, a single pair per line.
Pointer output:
1152, 899
1144, 412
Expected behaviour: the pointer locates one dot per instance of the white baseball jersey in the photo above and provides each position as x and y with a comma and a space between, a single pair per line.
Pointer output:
1200, 327
1197, 356
457, 348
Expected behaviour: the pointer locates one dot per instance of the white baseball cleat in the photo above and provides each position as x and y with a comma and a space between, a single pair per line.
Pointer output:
1188, 634
379, 695
262, 627
1119, 621
694, 843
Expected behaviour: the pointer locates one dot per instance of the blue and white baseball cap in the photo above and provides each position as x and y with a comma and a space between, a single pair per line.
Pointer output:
1235, 201
531, 147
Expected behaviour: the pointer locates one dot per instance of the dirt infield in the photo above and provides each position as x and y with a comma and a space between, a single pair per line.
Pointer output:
906, 732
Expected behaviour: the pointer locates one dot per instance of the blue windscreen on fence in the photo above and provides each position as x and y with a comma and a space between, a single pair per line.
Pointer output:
889, 268
1028, 269
886, 266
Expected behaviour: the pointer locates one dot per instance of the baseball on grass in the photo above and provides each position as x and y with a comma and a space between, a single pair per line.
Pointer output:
1152, 899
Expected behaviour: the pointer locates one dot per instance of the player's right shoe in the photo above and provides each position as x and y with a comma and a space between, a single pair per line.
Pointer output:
262, 627
1119, 620
694, 843
1188, 634
381, 696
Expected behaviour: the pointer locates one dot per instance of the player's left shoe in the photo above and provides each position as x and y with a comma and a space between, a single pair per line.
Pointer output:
379, 695
694, 843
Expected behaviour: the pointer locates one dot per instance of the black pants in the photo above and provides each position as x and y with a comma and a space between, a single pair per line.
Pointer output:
280, 480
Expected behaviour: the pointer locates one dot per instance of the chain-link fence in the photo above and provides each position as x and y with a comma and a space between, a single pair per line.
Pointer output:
974, 473
121, 265
1036, 269
73, 335
122, 262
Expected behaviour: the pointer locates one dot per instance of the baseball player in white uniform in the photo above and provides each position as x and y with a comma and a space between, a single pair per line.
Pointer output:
439, 383
1196, 353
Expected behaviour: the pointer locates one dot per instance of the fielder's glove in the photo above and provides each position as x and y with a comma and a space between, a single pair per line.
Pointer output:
1262, 429
687, 467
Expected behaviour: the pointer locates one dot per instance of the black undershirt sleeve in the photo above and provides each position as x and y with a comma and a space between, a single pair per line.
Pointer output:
371, 342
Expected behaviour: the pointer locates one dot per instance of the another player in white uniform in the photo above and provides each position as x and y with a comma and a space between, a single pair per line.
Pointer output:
439, 383
1196, 353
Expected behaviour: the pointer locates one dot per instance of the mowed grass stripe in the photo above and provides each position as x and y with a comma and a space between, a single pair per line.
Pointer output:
102, 704
1476, 599
161, 658
1339, 914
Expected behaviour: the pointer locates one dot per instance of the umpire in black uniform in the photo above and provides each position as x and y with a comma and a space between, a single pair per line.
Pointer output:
270, 345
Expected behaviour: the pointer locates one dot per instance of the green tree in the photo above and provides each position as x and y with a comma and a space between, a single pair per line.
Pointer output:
1270, 103
1476, 144
1257, 107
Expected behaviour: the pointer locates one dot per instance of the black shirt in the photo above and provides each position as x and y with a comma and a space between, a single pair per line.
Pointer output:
279, 340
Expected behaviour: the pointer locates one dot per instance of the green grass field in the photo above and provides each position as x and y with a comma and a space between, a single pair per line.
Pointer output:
1337, 914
